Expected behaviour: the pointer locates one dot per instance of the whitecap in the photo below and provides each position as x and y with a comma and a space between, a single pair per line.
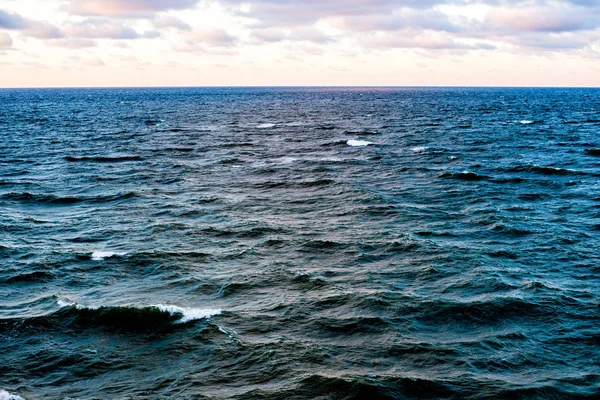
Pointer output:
265, 126
287, 160
418, 149
62, 303
101, 255
4, 395
526, 122
188, 314
358, 143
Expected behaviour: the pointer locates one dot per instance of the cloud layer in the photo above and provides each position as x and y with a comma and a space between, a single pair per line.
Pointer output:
425, 24
148, 32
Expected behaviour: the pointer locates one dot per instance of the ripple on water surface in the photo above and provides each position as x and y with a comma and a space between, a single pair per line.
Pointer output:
343, 243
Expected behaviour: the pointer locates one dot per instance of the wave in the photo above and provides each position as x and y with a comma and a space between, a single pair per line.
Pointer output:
236, 144
358, 143
363, 132
130, 317
365, 387
593, 152
509, 230
465, 176
39, 198
543, 170
101, 255
489, 311
325, 127
4, 395
180, 149
265, 126
293, 184
103, 159
336, 143
38, 276
252, 233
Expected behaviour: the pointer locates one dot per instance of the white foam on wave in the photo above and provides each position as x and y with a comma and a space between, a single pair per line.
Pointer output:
265, 126
101, 255
358, 143
188, 314
418, 149
65, 303
4, 395
526, 122
287, 160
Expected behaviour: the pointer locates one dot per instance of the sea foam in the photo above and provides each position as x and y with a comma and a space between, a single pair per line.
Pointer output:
188, 314
101, 255
4, 395
265, 126
526, 122
184, 314
358, 143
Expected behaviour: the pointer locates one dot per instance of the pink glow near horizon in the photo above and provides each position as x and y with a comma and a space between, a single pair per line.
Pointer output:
284, 42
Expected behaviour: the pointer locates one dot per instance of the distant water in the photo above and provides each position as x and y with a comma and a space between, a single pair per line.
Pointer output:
300, 243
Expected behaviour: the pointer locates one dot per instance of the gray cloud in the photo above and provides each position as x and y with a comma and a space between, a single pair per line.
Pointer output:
12, 21
33, 28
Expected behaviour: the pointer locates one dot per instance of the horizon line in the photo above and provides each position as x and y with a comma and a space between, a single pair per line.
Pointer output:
300, 87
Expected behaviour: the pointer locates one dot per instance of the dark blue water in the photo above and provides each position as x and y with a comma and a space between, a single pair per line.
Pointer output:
300, 243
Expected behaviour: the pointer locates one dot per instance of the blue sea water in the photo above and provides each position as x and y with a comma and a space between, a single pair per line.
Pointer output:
300, 243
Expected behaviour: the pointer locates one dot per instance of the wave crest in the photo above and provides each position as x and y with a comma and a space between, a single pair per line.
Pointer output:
131, 317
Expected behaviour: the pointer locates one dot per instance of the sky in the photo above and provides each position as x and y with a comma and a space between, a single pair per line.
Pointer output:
89, 43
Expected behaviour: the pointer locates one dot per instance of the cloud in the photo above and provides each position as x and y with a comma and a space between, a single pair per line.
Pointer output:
425, 24
168, 21
94, 62
75, 43
126, 7
217, 37
556, 18
43, 30
214, 41
422, 40
33, 28
401, 19
12, 21
299, 34
101, 28
5, 41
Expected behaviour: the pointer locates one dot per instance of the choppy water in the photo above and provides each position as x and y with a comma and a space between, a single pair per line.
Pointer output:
300, 243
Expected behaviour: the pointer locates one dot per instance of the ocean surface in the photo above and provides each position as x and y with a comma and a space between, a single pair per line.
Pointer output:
300, 243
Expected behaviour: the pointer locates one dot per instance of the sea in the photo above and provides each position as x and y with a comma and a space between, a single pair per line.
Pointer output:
300, 243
